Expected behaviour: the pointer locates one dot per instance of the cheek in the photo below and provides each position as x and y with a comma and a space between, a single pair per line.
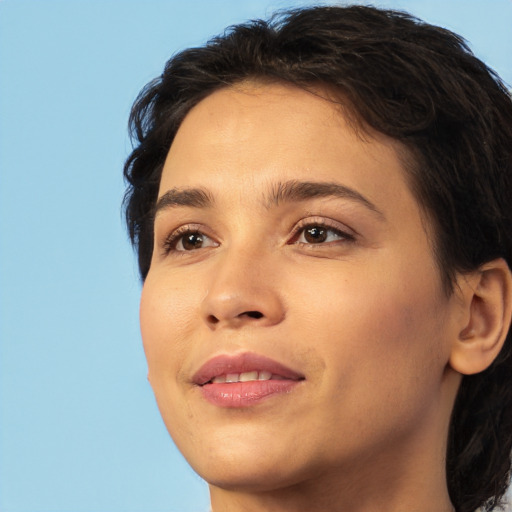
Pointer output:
384, 355
166, 325
382, 330
166, 322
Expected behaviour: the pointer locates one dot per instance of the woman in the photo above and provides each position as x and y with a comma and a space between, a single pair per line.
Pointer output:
321, 209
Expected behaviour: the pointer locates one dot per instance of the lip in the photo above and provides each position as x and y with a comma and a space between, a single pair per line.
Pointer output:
244, 394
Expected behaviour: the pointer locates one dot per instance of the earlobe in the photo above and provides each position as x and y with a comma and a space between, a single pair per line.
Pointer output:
487, 299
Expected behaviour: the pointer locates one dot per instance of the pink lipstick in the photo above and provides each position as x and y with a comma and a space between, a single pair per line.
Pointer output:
243, 380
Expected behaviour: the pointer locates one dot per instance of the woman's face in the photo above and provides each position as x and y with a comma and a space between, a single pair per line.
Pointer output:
293, 317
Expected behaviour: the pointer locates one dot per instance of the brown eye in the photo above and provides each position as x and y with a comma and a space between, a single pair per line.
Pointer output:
318, 234
190, 241
315, 234
186, 240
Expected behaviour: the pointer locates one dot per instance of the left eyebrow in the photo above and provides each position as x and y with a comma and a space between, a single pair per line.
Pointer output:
294, 190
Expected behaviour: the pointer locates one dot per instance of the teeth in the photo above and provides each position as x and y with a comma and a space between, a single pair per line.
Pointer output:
245, 377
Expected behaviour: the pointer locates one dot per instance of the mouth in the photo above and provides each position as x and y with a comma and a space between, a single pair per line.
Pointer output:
244, 380
245, 377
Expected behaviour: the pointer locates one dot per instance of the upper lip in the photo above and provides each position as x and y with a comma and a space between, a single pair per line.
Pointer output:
240, 363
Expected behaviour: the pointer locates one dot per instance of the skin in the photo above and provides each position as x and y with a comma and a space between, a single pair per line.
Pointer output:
363, 315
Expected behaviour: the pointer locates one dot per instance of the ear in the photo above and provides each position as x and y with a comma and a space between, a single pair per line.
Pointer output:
487, 301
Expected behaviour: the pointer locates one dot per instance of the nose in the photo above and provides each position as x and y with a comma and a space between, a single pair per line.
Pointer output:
241, 292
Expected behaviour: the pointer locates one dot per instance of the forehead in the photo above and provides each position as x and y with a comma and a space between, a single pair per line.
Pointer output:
252, 135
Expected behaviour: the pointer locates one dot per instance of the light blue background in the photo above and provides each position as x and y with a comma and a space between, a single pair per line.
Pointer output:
79, 428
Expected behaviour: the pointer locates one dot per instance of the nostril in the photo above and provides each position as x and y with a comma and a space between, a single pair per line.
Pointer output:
253, 314
213, 319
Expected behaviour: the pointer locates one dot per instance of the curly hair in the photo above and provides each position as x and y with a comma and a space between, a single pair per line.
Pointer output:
416, 83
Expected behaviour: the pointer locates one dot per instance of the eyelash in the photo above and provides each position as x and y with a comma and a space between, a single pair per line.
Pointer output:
174, 238
301, 228
171, 241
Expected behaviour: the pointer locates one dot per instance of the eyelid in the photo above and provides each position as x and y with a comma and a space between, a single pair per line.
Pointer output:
341, 228
169, 241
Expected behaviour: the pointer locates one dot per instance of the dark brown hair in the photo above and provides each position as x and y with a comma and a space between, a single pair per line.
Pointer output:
411, 81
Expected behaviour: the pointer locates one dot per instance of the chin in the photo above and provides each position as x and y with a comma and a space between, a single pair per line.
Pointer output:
230, 463
250, 476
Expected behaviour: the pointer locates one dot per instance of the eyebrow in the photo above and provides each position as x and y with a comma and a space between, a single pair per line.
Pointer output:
191, 197
294, 190
281, 192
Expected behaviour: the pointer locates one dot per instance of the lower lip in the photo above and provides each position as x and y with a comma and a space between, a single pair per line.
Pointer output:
245, 394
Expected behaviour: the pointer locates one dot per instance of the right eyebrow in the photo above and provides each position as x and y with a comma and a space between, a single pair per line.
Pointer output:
192, 197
